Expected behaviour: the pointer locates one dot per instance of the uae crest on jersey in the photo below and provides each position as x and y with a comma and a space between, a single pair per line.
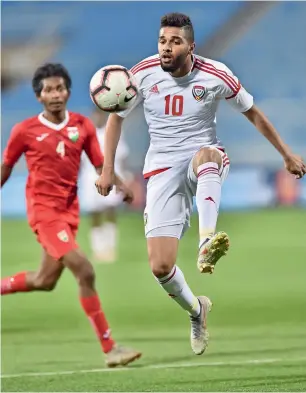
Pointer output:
73, 133
198, 92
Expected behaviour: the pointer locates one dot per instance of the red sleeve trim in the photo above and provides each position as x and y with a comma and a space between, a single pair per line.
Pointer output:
145, 64
210, 69
235, 93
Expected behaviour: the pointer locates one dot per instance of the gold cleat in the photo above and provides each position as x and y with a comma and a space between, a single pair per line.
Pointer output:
211, 251
121, 356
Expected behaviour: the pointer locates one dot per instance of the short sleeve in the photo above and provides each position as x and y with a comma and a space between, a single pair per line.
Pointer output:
91, 145
15, 146
233, 92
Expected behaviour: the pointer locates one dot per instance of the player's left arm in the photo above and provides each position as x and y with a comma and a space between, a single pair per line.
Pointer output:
93, 151
14, 149
293, 163
242, 101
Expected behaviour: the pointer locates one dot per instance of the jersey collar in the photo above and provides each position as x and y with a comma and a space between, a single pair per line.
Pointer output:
53, 126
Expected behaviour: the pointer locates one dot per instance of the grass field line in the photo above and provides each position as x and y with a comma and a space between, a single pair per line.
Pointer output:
156, 366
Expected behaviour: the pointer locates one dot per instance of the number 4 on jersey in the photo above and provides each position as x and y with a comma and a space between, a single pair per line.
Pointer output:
174, 105
60, 149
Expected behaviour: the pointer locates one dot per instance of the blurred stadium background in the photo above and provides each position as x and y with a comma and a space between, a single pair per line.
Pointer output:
262, 42
260, 290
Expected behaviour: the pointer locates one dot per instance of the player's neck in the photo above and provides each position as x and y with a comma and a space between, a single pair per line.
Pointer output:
55, 117
184, 70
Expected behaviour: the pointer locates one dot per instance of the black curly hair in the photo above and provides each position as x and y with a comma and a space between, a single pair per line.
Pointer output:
176, 19
46, 71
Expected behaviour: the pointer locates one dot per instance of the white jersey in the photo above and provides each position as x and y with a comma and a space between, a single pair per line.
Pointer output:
181, 112
121, 155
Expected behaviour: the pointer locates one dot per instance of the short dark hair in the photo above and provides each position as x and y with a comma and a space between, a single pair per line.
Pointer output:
47, 71
175, 19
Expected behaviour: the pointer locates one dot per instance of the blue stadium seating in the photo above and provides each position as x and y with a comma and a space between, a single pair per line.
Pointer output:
269, 59
94, 34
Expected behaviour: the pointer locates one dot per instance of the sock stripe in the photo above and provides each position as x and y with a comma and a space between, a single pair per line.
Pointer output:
162, 282
210, 170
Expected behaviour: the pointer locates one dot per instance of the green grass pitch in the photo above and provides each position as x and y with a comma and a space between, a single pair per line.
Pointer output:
257, 325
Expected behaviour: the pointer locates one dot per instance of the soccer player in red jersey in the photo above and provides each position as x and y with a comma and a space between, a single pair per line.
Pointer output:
53, 143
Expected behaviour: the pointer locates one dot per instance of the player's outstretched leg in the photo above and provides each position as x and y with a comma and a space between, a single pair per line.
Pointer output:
162, 257
44, 279
82, 269
206, 164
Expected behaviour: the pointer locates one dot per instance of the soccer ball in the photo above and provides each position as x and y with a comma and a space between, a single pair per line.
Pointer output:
113, 88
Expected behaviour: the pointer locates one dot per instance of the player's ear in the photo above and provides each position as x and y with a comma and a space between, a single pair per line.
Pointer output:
38, 96
192, 48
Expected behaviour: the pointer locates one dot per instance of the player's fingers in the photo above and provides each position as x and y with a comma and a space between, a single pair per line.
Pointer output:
128, 199
299, 174
98, 187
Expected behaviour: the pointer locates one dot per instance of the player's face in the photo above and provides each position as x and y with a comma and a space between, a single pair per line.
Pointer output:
54, 94
173, 48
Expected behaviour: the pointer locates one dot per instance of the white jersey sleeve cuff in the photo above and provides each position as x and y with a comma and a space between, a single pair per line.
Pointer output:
241, 102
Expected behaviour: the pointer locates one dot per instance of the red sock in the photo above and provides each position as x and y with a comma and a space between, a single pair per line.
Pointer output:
92, 307
13, 284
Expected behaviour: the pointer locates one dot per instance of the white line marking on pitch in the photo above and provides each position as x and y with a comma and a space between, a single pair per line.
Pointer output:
156, 366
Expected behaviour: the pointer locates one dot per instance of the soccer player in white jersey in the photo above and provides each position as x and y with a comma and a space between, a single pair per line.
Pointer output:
103, 211
180, 92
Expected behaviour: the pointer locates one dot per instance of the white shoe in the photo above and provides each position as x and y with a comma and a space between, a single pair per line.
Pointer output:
121, 356
212, 251
199, 334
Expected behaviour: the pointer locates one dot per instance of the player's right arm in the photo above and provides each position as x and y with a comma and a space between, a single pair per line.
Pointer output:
112, 135
14, 149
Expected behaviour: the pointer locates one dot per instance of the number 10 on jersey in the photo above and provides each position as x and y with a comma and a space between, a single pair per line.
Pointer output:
174, 105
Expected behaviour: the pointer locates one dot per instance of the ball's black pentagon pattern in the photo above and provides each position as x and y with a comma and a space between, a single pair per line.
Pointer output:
103, 86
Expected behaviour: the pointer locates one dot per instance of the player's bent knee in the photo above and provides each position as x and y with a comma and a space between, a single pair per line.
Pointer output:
206, 154
161, 264
86, 276
81, 268
162, 253
44, 284
161, 269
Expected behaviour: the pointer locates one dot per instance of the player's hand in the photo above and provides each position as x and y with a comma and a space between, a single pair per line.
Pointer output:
295, 165
105, 183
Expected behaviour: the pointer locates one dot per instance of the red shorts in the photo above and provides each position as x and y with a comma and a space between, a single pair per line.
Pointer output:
56, 237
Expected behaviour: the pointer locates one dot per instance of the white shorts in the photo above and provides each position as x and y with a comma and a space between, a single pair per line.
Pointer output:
170, 199
93, 201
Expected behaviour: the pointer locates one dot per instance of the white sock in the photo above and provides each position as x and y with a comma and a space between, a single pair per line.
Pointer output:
97, 240
176, 286
208, 197
110, 234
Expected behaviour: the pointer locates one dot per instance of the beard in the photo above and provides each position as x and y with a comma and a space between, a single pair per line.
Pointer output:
174, 65
169, 67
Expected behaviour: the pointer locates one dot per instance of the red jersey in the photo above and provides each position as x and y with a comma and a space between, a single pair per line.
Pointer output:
53, 156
